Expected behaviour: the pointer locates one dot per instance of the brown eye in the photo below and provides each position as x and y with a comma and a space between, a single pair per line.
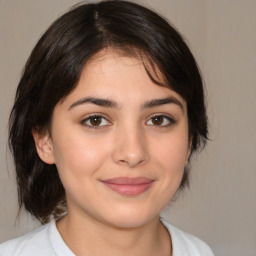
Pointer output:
95, 121
160, 120
157, 120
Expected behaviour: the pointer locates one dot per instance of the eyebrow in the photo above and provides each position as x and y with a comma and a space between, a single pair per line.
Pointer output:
96, 101
112, 104
164, 101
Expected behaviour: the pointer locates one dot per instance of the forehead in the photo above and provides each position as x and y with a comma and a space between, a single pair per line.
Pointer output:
111, 74
129, 56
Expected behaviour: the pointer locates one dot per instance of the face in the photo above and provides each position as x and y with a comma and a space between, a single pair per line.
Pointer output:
120, 143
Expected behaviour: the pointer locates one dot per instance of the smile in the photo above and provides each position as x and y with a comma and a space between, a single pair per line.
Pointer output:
129, 186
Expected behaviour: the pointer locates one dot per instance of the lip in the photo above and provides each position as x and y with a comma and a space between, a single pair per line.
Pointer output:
129, 186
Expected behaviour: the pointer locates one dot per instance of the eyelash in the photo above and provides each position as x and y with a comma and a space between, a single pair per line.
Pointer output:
90, 118
168, 119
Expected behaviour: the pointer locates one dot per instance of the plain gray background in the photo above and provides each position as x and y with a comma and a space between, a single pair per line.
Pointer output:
220, 206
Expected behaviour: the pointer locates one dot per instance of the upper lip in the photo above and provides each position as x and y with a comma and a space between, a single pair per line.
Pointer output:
128, 180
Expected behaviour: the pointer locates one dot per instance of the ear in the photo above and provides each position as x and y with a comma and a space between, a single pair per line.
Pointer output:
44, 146
189, 151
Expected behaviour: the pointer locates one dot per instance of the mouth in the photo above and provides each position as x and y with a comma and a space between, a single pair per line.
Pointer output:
129, 186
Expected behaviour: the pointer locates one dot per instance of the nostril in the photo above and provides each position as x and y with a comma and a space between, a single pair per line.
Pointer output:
132, 162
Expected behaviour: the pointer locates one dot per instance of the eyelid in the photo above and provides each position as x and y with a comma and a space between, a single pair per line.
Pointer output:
170, 119
87, 118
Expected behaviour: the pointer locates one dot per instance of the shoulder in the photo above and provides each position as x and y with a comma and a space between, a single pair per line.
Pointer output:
33, 243
186, 244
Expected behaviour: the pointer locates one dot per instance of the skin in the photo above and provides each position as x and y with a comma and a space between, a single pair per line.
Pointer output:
126, 142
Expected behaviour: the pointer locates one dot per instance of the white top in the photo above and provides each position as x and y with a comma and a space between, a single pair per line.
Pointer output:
47, 241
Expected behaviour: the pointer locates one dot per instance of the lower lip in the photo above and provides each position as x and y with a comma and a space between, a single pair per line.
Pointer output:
129, 189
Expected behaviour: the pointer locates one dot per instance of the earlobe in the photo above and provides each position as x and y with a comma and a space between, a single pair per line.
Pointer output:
44, 146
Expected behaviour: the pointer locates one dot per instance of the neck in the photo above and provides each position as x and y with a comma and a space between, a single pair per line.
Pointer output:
87, 236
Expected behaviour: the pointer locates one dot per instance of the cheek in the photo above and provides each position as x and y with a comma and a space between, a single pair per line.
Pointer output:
171, 153
170, 158
76, 158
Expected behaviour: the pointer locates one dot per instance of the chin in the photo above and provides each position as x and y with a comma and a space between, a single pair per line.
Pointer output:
130, 218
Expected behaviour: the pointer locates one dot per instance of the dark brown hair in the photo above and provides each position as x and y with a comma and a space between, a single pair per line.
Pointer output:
53, 70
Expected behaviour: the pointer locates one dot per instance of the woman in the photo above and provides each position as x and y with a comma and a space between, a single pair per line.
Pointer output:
107, 114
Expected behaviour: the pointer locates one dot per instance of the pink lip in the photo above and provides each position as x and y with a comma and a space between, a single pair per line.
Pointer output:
129, 186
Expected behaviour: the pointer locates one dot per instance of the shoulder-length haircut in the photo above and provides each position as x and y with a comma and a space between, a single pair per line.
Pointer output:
53, 70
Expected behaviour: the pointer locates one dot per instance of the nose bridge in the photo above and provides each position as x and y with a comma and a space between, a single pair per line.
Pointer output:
130, 147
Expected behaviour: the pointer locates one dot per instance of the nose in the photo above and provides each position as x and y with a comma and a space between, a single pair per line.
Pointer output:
130, 148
